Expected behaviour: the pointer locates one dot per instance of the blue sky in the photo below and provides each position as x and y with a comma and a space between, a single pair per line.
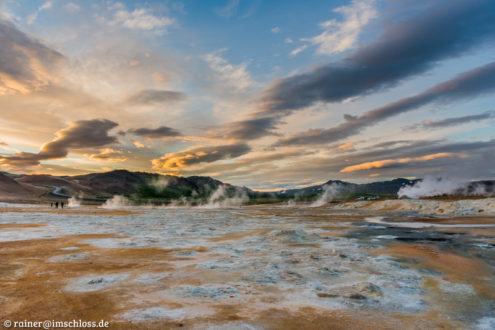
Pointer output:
268, 94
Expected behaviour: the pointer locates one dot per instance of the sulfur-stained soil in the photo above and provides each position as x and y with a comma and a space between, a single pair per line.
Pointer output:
252, 268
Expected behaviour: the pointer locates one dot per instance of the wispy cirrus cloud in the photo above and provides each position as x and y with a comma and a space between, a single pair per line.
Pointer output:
339, 36
454, 121
297, 50
72, 7
228, 10
229, 76
155, 96
45, 6
141, 19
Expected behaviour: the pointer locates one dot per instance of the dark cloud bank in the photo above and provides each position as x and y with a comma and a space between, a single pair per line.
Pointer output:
408, 47
156, 133
469, 84
416, 37
155, 96
201, 154
79, 135
453, 121
17, 50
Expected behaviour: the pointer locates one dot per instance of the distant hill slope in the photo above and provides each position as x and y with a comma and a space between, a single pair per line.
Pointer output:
383, 187
346, 188
144, 184
69, 187
13, 190
118, 182
143, 187
138, 185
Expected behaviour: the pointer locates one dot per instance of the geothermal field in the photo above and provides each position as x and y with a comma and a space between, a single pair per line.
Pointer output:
389, 264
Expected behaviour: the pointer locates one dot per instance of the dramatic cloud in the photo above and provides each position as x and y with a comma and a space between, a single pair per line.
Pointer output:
339, 36
297, 166
79, 135
479, 164
155, 96
454, 121
411, 44
118, 63
249, 129
25, 63
156, 133
196, 155
469, 84
249, 165
400, 149
392, 162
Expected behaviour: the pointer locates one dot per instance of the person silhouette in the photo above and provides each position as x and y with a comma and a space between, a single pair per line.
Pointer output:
62, 204
51, 204
56, 205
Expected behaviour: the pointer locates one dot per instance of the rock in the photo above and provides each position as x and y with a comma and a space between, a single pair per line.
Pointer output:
96, 281
369, 288
356, 296
293, 236
293, 274
330, 271
326, 295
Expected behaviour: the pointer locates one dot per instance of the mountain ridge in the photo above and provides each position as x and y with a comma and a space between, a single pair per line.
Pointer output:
145, 186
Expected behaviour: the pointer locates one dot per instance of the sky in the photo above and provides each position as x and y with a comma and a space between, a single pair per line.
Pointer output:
265, 94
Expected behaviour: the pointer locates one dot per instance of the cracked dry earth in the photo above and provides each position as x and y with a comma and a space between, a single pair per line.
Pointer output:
248, 268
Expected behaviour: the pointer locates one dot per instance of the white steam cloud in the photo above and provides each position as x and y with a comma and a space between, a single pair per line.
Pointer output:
116, 202
74, 202
329, 192
221, 199
160, 184
430, 187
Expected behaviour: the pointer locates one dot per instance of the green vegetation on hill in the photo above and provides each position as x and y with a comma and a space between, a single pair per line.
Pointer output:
169, 193
142, 187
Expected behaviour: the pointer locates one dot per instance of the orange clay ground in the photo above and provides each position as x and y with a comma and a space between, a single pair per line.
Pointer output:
34, 288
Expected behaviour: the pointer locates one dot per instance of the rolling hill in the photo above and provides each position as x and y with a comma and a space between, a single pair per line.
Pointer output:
10, 189
152, 187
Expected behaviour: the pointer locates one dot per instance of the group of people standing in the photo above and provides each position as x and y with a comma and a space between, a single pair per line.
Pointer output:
56, 205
